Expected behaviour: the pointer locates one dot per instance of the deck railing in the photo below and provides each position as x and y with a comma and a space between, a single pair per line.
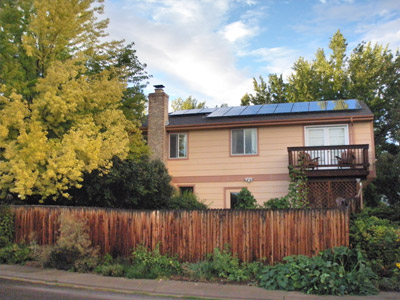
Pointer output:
346, 157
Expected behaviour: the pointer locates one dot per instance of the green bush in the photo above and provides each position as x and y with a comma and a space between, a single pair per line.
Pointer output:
337, 271
277, 203
152, 264
379, 239
15, 254
6, 226
185, 200
383, 211
73, 249
221, 264
114, 270
245, 200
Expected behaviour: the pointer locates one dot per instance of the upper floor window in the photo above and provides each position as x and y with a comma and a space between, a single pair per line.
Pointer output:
178, 145
244, 141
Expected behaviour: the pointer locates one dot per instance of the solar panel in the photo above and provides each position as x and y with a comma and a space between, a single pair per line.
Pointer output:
193, 111
279, 108
353, 104
207, 110
251, 110
317, 106
283, 108
267, 109
235, 111
178, 112
300, 107
219, 112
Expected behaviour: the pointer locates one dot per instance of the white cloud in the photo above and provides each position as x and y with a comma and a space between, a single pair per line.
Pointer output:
387, 33
180, 41
237, 31
278, 60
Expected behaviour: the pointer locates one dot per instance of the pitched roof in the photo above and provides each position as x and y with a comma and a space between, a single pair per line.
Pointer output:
270, 114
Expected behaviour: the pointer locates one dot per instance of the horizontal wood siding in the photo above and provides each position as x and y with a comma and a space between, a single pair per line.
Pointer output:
252, 234
209, 153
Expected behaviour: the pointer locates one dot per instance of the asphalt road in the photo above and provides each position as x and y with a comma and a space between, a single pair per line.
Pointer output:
20, 290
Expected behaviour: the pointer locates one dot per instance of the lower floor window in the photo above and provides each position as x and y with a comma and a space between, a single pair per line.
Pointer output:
186, 189
234, 199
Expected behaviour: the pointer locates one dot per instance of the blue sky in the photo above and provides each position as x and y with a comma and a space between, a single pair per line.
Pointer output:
212, 49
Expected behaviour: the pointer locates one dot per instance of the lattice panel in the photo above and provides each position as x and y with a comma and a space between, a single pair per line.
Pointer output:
323, 194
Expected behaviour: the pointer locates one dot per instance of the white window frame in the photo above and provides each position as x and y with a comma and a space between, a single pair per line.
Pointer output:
326, 134
244, 142
177, 145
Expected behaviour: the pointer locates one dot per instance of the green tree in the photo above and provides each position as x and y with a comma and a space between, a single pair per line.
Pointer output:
189, 103
272, 92
61, 91
370, 73
131, 184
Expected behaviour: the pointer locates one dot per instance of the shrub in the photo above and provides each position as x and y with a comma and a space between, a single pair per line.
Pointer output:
185, 200
245, 200
73, 250
277, 203
152, 264
6, 226
221, 264
130, 184
380, 241
337, 271
114, 270
15, 254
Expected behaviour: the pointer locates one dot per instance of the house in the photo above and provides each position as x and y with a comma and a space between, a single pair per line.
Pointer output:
215, 152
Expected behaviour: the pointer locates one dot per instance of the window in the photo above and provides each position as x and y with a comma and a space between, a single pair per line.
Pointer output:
244, 141
178, 145
234, 199
327, 135
186, 189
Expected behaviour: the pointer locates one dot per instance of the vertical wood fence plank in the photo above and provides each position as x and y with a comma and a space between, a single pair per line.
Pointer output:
251, 234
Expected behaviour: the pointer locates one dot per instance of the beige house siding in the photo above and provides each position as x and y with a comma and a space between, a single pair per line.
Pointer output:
214, 172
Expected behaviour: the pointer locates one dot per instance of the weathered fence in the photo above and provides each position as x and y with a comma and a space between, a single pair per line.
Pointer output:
251, 234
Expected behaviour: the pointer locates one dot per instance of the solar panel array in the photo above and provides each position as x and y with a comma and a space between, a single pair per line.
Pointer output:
269, 109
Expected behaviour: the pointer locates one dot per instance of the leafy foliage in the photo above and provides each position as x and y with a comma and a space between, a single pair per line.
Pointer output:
278, 203
152, 264
337, 271
185, 200
63, 102
222, 264
380, 241
370, 73
15, 254
298, 192
245, 200
189, 103
131, 184
6, 225
73, 249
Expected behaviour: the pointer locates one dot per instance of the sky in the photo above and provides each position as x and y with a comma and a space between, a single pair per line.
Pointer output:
212, 49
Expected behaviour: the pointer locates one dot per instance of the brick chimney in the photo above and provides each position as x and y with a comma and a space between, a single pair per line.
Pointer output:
157, 120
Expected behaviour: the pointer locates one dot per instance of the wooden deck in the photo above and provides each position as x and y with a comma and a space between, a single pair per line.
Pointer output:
332, 160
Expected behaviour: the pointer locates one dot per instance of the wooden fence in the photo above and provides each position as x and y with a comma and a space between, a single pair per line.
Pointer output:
251, 234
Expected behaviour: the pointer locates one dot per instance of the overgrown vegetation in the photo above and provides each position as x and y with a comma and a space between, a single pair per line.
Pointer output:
222, 264
245, 200
298, 191
185, 200
379, 240
6, 226
338, 271
73, 249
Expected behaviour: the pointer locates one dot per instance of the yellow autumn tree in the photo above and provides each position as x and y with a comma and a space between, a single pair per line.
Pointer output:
69, 119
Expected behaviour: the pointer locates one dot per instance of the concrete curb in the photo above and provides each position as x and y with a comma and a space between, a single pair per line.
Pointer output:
164, 288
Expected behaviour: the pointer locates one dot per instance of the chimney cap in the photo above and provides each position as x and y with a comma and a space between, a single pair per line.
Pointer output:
159, 86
